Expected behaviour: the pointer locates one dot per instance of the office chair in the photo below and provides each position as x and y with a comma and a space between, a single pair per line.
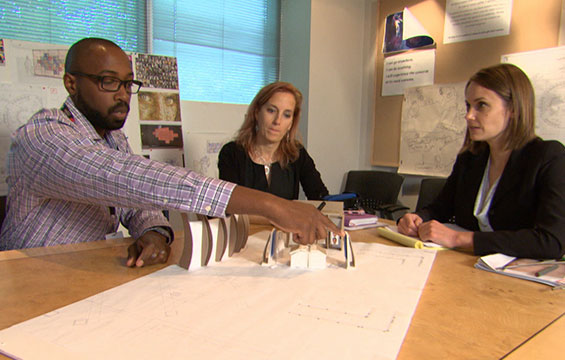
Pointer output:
429, 190
377, 192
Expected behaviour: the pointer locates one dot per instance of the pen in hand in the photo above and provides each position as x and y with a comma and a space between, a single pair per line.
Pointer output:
321, 206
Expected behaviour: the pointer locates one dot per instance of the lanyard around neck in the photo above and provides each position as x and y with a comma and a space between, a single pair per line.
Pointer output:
67, 112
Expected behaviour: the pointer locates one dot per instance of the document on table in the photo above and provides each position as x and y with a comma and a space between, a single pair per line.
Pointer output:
549, 272
238, 309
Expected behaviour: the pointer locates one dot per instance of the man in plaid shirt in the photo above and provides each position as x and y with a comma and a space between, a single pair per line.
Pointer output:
73, 178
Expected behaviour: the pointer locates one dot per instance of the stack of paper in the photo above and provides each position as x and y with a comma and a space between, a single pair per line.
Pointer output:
549, 272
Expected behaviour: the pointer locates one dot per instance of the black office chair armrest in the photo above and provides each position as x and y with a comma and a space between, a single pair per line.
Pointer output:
388, 211
393, 207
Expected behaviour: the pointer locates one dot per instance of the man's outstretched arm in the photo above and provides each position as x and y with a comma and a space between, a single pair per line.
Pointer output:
304, 220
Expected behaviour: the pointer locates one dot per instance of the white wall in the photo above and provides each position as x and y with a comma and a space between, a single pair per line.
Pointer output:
211, 117
336, 64
340, 80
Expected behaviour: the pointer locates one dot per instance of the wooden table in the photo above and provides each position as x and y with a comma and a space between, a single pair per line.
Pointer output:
466, 313
463, 312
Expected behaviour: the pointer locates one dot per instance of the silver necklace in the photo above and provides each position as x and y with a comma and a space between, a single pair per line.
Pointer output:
266, 164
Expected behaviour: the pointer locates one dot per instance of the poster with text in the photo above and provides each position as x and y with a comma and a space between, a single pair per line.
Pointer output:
407, 70
476, 19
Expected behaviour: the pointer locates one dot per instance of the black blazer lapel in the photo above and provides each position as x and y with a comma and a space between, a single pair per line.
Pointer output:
510, 176
475, 175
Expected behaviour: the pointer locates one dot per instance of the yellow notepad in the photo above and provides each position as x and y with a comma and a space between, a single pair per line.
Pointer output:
391, 233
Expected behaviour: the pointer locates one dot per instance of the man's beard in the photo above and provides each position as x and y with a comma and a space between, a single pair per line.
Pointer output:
97, 119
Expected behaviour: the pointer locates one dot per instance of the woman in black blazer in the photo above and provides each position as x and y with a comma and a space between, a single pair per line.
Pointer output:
507, 185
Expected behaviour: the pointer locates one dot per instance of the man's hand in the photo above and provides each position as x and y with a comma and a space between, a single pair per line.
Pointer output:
305, 221
150, 248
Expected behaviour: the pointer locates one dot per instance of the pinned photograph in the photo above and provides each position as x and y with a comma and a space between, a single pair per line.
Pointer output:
161, 136
157, 71
164, 106
404, 32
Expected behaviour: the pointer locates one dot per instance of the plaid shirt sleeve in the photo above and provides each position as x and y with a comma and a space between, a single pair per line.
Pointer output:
52, 158
64, 166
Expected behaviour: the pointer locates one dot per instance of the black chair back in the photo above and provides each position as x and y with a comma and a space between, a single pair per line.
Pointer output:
377, 190
429, 190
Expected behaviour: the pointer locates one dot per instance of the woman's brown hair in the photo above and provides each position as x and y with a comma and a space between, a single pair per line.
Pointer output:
514, 87
289, 147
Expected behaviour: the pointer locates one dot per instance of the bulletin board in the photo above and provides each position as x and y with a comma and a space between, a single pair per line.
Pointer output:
535, 25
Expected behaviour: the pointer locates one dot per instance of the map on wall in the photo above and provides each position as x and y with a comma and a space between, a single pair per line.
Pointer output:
545, 68
432, 129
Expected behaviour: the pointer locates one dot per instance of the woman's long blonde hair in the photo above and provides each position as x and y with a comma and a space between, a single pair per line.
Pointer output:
289, 147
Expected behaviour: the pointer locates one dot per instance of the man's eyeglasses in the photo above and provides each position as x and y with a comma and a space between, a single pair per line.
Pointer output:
113, 84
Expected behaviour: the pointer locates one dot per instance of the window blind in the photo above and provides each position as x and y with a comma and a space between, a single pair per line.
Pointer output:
66, 21
226, 49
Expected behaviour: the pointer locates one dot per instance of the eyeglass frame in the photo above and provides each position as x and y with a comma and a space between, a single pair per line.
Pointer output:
100, 79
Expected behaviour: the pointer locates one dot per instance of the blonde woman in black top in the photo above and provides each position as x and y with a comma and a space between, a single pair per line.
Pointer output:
266, 154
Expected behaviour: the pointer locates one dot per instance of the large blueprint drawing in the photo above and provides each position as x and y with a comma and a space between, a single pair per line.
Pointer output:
238, 309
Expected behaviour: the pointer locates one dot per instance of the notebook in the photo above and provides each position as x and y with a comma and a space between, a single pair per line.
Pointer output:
357, 221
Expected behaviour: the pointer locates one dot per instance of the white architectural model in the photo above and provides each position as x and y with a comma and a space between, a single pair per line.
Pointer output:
308, 257
278, 249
